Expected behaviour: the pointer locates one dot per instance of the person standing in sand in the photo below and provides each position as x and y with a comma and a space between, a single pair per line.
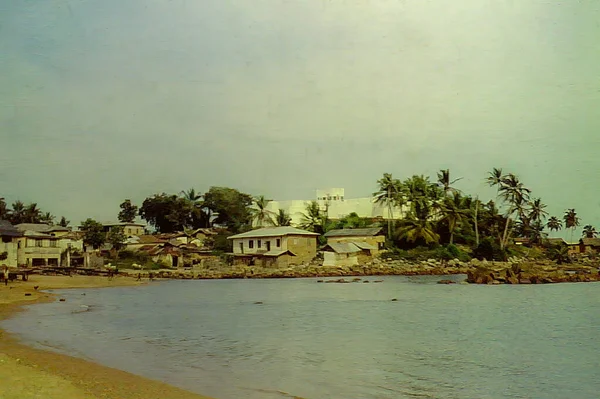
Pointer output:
6, 275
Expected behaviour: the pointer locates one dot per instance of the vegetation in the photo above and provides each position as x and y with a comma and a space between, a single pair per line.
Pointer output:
116, 237
19, 213
128, 212
93, 233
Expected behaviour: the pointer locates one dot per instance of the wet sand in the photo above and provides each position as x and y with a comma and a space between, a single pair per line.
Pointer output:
27, 373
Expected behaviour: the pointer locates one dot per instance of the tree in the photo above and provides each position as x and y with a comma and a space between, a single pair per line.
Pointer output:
128, 212
32, 214
389, 194
200, 214
260, 214
589, 231
47, 218
352, 221
166, 213
93, 233
231, 207
571, 220
494, 179
116, 237
17, 213
4, 212
454, 212
537, 210
445, 182
64, 222
313, 219
554, 223
282, 218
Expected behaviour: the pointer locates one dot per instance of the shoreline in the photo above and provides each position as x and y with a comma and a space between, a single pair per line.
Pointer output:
29, 372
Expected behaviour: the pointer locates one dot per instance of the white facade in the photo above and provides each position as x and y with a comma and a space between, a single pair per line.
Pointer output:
337, 205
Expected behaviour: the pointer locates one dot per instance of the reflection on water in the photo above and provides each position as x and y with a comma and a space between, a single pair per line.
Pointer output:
336, 340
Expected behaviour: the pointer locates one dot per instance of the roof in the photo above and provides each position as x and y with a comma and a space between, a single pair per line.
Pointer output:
372, 231
37, 234
592, 242
278, 253
145, 239
274, 232
363, 245
109, 224
7, 229
556, 240
39, 227
343, 247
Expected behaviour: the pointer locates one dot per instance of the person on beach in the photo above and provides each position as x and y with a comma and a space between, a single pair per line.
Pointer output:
6, 275
139, 278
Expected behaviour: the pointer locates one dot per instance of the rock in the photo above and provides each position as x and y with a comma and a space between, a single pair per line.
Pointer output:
366, 281
28, 294
62, 299
446, 282
496, 282
394, 299
524, 281
258, 303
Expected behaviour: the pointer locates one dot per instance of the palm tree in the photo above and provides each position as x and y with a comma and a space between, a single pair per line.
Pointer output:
514, 193
199, 214
454, 212
47, 218
537, 210
571, 220
589, 231
4, 212
282, 218
313, 219
416, 229
445, 182
191, 195
17, 213
554, 223
261, 214
495, 178
64, 222
32, 213
390, 194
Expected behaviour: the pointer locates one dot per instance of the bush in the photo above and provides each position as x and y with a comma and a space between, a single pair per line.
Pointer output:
490, 250
424, 253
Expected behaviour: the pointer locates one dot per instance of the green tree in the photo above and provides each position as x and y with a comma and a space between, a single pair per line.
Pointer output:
116, 237
260, 214
64, 222
93, 233
32, 214
454, 212
231, 208
571, 220
589, 231
390, 194
4, 211
282, 218
47, 218
17, 213
445, 182
128, 212
352, 221
554, 223
200, 213
313, 219
167, 213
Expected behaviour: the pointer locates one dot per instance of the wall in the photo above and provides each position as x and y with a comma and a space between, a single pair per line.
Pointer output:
28, 251
335, 259
12, 251
304, 247
256, 249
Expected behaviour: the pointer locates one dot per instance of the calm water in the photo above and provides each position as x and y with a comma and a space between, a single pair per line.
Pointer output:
336, 340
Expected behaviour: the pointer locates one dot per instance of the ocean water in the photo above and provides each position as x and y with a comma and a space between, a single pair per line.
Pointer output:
317, 340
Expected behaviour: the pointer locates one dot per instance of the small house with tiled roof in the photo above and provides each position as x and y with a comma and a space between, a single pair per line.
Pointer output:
589, 245
374, 236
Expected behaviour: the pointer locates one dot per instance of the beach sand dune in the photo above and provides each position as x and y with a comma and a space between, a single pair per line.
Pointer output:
27, 373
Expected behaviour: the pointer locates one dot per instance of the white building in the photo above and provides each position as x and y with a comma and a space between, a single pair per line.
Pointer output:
334, 201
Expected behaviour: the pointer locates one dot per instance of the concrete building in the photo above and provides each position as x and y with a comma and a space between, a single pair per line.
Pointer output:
129, 229
9, 244
38, 249
337, 205
274, 246
374, 236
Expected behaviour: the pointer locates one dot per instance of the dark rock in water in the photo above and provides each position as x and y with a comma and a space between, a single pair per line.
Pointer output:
258, 303
394, 299
524, 281
366, 281
446, 282
356, 280
319, 281
62, 299
28, 294
378, 281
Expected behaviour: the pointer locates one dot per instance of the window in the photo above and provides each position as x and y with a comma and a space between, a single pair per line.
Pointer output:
278, 243
251, 244
241, 247
6, 239
259, 243
53, 243
39, 243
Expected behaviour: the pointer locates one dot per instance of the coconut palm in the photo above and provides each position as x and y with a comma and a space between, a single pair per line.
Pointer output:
537, 212
191, 195
47, 218
313, 219
589, 231
571, 220
495, 178
199, 214
554, 223
282, 218
445, 182
390, 194
261, 214
4, 212
32, 213
454, 212
515, 195
17, 213
414, 230
64, 222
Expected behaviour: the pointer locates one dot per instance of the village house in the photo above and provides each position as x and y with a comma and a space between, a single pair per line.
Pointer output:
374, 236
38, 249
66, 238
274, 246
555, 242
589, 245
129, 229
9, 243
347, 253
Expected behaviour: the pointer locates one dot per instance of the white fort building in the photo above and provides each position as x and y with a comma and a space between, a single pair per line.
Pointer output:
334, 201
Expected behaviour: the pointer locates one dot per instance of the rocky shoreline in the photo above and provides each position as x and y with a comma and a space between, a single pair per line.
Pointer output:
516, 271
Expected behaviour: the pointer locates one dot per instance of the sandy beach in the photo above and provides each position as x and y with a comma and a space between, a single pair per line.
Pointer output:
32, 373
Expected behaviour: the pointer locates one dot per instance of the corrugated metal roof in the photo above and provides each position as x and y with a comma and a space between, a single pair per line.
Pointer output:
343, 247
273, 232
278, 253
592, 242
39, 227
364, 245
8, 230
372, 231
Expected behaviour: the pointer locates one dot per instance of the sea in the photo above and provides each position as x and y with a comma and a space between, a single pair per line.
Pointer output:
400, 337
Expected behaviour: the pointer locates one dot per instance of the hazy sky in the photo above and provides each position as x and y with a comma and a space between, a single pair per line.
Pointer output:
113, 99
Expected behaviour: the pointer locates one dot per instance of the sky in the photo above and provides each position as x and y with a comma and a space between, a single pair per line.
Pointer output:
106, 100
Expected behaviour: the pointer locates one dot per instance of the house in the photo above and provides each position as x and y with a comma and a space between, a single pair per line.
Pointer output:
347, 253
587, 245
574, 247
57, 231
38, 249
274, 246
555, 242
143, 242
129, 229
374, 236
9, 243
